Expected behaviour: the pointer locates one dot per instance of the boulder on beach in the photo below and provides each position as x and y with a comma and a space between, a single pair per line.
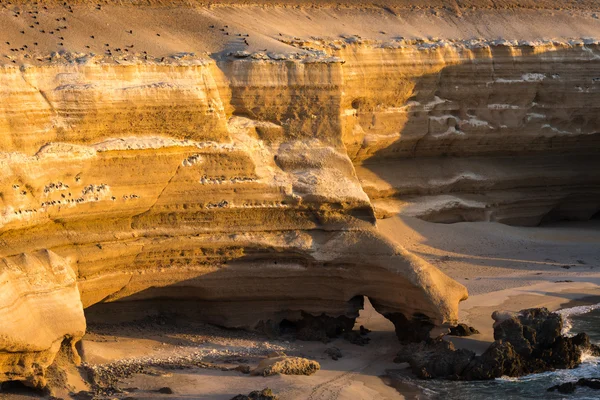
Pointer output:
527, 342
462, 330
265, 394
286, 366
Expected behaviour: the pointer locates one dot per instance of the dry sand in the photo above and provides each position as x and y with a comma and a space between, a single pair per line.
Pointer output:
505, 268
33, 30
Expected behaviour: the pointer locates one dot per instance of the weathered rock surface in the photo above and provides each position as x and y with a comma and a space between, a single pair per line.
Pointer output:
40, 310
334, 352
265, 394
570, 387
239, 221
462, 330
526, 342
286, 365
243, 190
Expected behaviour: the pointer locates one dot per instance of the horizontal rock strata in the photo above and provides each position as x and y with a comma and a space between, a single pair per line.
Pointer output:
243, 187
476, 131
140, 178
41, 310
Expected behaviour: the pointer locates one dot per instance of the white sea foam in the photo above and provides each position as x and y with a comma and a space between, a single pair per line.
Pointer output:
565, 313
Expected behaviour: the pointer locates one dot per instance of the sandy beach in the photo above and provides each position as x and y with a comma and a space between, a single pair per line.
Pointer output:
221, 145
505, 268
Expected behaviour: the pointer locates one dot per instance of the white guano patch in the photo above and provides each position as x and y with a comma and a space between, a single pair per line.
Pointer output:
529, 77
502, 107
467, 176
533, 116
554, 129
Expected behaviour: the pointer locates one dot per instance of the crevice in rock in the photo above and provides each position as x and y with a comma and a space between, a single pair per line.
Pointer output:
311, 327
18, 388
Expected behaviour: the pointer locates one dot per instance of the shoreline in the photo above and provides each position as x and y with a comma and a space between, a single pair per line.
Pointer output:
411, 390
260, 138
363, 371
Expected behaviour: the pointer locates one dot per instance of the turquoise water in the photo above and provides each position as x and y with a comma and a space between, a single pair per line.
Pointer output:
535, 386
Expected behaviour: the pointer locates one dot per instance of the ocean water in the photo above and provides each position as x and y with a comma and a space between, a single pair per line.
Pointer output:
577, 319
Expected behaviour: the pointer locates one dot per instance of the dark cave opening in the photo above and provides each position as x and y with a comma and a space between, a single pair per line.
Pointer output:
19, 388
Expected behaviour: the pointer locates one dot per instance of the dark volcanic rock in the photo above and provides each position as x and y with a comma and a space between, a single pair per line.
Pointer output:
569, 387
441, 360
498, 360
315, 327
463, 330
527, 330
334, 353
83, 395
322, 327
592, 383
265, 394
566, 388
356, 338
416, 329
526, 342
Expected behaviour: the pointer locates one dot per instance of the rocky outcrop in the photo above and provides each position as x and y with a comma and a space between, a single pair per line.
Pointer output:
526, 342
265, 394
462, 330
241, 221
41, 311
242, 188
479, 131
570, 387
248, 222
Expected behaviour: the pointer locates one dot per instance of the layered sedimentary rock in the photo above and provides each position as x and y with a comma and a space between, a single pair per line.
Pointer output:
243, 188
140, 178
41, 310
495, 131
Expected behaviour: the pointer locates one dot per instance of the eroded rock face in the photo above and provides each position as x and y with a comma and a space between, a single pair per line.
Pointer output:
40, 309
526, 342
468, 127
248, 185
251, 220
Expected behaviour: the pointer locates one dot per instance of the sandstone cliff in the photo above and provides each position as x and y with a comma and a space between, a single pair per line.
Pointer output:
247, 182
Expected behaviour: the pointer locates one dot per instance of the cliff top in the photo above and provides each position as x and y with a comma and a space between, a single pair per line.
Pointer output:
156, 28
390, 5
